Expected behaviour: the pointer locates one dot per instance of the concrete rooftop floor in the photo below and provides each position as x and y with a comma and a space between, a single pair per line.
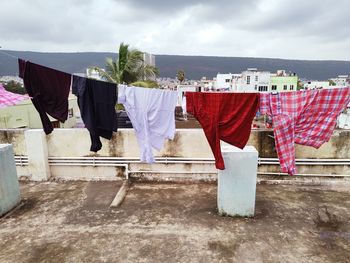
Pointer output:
72, 222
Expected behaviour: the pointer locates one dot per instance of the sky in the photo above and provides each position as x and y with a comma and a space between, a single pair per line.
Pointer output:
291, 29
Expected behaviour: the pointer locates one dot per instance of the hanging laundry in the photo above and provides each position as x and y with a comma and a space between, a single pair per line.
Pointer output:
48, 89
152, 114
223, 116
303, 117
96, 101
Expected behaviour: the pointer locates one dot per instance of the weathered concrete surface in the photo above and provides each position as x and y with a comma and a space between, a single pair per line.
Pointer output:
64, 143
236, 184
37, 155
71, 222
9, 187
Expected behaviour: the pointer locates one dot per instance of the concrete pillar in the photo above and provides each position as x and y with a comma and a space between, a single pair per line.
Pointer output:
9, 187
237, 183
37, 152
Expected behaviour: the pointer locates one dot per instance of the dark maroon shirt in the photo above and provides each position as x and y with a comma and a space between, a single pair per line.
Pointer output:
49, 90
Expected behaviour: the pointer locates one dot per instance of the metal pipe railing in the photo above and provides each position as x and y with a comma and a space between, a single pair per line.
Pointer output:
99, 161
306, 175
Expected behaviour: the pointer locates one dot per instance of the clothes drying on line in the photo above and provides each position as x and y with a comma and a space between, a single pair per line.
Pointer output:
96, 101
223, 116
152, 114
303, 117
49, 90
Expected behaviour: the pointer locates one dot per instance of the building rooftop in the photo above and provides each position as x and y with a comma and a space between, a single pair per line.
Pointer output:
72, 222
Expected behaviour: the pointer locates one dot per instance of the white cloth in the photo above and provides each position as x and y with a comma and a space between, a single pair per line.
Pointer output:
183, 105
152, 114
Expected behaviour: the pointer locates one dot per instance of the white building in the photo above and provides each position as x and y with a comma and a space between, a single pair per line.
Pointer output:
316, 84
93, 74
341, 80
207, 84
181, 89
249, 80
343, 121
236, 82
254, 80
149, 59
224, 81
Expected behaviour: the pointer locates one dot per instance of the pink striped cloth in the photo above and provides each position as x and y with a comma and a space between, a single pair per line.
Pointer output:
9, 99
303, 117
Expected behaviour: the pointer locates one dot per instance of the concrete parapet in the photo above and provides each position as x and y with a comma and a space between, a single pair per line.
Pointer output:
37, 153
190, 144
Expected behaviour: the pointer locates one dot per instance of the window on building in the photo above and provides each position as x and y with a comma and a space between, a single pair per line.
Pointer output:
285, 87
262, 88
274, 87
248, 79
256, 87
291, 87
256, 78
227, 80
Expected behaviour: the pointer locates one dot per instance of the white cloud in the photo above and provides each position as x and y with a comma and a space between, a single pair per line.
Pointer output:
261, 28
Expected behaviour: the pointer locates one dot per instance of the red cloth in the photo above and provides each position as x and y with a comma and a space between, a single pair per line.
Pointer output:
223, 116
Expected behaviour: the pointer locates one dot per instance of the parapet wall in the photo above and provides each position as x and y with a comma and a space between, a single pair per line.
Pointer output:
188, 155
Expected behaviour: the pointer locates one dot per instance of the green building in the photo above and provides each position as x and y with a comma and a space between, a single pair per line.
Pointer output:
283, 82
24, 115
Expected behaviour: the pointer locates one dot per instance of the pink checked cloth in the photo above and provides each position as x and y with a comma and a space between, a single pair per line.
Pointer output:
9, 99
304, 117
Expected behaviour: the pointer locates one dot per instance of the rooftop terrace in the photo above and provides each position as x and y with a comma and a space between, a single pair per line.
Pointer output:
72, 222
297, 219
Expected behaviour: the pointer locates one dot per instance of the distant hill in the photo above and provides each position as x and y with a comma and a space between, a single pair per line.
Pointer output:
195, 66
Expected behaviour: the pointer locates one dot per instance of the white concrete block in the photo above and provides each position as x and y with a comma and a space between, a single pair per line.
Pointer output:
37, 152
9, 187
237, 183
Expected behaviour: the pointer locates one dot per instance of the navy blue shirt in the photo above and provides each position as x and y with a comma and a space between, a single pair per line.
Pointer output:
96, 100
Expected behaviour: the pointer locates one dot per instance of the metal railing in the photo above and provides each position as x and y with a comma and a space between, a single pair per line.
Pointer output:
97, 161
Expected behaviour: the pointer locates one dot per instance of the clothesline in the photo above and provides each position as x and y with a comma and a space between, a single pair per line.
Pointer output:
9, 55
303, 117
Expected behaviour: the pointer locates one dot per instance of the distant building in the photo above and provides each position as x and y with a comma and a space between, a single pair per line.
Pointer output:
254, 80
282, 81
316, 85
341, 81
167, 83
343, 121
24, 115
149, 59
181, 89
92, 74
6, 79
224, 81
206, 84
248, 81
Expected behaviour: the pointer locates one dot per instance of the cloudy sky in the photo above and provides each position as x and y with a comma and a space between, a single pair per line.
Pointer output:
296, 29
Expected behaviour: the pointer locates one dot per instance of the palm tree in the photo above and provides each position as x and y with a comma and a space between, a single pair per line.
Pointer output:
180, 75
128, 68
